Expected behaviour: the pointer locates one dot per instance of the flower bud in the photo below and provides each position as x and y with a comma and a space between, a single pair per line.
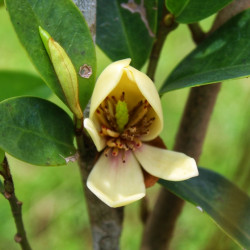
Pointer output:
65, 72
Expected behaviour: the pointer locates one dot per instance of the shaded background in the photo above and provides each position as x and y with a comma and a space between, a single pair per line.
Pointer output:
54, 209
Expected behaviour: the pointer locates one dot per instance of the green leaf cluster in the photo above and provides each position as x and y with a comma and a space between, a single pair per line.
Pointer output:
66, 25
222, 56
32, 129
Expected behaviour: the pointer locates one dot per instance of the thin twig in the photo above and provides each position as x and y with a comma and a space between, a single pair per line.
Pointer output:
197, 33
15, 204
166, 25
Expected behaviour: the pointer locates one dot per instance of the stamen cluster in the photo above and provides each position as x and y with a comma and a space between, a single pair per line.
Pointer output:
129, 138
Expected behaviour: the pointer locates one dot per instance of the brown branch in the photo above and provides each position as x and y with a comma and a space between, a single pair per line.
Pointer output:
166, 25
15, 204
190, 138
197, 33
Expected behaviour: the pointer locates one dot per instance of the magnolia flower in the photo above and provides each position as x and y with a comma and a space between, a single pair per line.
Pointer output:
125, 114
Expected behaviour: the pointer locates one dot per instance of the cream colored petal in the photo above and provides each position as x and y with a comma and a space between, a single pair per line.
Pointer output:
166, 164
94, 134
149, 91
106, 82
117, 183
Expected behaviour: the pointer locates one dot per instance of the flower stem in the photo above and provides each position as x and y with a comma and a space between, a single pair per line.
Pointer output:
15, 204
166, 25
78, 125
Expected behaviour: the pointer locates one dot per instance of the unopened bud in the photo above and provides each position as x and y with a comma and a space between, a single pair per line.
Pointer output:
65, 72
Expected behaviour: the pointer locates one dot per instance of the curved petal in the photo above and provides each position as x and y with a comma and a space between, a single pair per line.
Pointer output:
149, 91
106, 82
166, 164
117, 183
94, 134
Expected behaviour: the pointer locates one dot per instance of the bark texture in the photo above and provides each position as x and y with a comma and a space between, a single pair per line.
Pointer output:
88, 9
15, 204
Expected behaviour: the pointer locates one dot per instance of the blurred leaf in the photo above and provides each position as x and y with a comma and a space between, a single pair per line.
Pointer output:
222, 56
1, 187
190, 11
126, 30
36, 131
2, 155
1, 3
13, 83
66, 25
225, 203
176, 7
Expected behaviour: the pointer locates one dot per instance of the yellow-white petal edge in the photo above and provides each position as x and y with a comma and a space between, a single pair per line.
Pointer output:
94, 134
106, 82
166, 164
149, 91
117, 183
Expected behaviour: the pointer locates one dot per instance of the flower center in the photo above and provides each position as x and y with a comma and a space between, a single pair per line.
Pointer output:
122, 128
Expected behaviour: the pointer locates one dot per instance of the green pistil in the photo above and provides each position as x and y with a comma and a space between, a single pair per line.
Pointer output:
121, 115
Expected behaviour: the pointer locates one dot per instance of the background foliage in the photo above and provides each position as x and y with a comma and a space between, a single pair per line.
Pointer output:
58, 205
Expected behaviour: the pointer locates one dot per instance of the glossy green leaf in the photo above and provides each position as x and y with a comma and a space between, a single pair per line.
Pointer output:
225, 203
65, 23
13, 83
126, 30
36, 131
222, 56
190, 11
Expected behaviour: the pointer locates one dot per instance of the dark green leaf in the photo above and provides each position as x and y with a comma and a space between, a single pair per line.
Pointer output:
225, 203
66, 25
123, 32
190, 11
36, 131
13, 83
224, 55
